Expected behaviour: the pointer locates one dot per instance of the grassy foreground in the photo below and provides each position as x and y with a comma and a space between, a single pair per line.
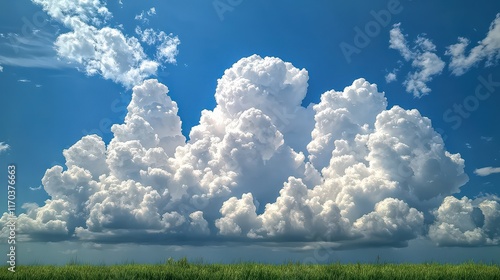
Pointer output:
183, 270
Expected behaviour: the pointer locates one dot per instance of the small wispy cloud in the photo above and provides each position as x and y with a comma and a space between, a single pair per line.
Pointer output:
485, 171
390, 77
487, 49
34, 51
166, 44
36, 189
69, 252
4, 147
486, 138
24, 81
1, 68
151, 11
143, 16
422, 57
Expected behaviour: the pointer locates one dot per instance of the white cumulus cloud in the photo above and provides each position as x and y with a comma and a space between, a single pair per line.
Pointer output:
260, 167
92, 12
465, 222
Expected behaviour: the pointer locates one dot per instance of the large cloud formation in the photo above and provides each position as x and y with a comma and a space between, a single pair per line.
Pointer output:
260, 167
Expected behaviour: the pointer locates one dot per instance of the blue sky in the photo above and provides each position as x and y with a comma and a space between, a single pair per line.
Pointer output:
68, 71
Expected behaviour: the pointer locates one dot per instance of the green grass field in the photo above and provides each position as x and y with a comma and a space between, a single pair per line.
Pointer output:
183, 270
